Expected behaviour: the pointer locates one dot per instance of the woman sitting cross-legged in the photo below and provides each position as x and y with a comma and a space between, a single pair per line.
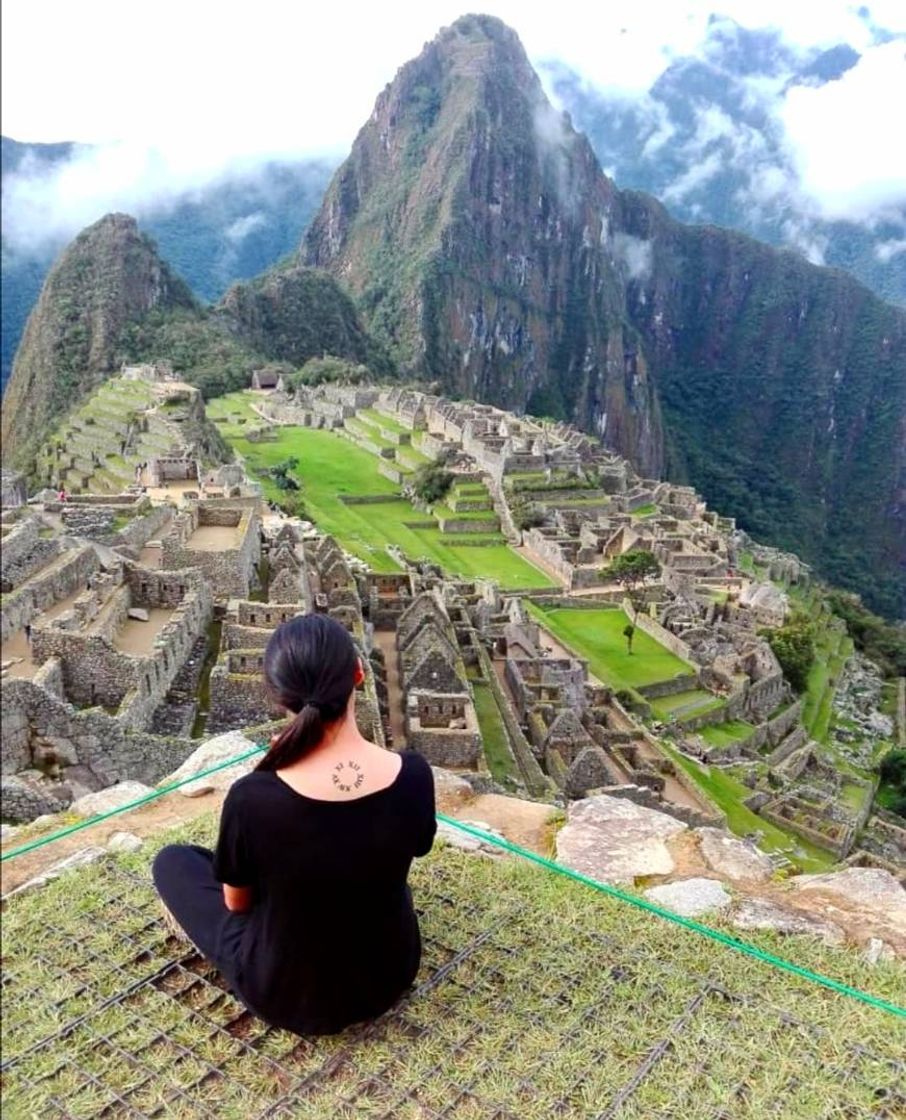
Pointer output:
313, 925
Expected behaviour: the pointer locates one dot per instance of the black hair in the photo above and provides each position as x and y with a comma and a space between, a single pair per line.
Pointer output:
309, 668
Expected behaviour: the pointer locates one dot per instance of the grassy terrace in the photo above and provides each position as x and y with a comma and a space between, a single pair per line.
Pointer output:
537, 998
682, 705
493, 733
597, 635
332, 468
729, 793
726, 734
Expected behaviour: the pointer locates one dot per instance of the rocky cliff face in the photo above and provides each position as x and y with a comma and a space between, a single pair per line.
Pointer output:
489, 250
783, 387
468, 220
109, 276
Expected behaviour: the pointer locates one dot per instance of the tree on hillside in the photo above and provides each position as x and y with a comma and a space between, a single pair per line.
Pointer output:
329, 369
632, 571
431, 482
794, 647
893, 773
629, 634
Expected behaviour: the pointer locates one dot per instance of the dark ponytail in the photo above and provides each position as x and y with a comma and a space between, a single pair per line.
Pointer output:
309, 667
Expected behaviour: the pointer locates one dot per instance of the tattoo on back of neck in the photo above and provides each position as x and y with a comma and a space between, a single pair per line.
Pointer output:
348, 776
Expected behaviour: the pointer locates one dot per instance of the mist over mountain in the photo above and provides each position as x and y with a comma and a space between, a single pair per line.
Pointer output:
715, 140
212, 233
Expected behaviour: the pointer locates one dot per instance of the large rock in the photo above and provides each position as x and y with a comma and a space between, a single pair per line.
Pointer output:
732, 858
758, 913
114, 797
615, 840
213, 752
867, 899
459, 838
690, 897
138, 613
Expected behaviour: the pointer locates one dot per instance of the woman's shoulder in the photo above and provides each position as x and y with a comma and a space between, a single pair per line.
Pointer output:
250, 788
416, 766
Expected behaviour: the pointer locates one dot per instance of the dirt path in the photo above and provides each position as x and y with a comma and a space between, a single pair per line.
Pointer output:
167, 812
386, 643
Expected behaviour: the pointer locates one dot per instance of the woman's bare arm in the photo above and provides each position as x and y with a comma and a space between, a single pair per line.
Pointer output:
237, 899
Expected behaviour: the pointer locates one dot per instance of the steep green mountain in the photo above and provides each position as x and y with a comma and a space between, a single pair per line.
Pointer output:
708, 140
228, 230
490, 253
468, 221
293, 313
109, 276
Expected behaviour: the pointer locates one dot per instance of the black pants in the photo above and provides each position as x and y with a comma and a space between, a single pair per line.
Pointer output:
184, 877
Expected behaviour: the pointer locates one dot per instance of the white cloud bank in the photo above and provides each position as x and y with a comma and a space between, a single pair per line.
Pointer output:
845, 138
179, 94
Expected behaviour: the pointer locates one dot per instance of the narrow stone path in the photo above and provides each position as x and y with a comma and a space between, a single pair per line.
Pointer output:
385, 640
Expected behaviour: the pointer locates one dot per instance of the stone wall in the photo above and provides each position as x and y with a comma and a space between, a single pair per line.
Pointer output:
660, 634
70, 571
24, 552
36, 722
142, 529
230, 571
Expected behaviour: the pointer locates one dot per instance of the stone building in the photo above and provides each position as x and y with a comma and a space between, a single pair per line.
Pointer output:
440, 715
12, 489
222, 539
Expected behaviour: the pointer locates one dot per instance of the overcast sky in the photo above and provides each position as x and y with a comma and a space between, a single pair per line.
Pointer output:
180, 89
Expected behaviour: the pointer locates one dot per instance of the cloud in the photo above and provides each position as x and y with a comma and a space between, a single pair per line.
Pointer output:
843, 137
204, 90
634, 254
886, 250
239, 230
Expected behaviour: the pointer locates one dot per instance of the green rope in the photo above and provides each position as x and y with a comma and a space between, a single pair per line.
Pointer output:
524, 853
143, 800
678, 919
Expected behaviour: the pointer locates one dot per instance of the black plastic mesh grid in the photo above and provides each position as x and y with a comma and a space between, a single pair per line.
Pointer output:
111, 1017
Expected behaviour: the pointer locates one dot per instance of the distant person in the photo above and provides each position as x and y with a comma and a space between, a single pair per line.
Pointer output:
313, 925
62, 496
27, 629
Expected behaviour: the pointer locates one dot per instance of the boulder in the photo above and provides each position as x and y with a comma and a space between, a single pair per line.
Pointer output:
758, 913
615, 840
114, 797
138, 613
124, 842
219, 749
690, 897
868, 898
733, 858
457, 838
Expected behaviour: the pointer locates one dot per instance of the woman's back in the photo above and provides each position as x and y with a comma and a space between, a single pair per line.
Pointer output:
331, 937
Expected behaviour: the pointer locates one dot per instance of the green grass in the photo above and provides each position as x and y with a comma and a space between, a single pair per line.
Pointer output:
728, 793
726, 734
694, 702
493, 733
382, 420
597, 635
832, 648
645, 510
332, 467
544, 997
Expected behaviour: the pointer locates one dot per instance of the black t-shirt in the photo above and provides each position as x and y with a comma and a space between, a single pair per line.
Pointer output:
332, 937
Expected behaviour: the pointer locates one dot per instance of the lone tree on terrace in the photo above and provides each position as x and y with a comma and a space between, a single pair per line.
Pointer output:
632, 571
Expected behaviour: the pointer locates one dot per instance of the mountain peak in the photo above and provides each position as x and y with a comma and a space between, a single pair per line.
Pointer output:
111, 274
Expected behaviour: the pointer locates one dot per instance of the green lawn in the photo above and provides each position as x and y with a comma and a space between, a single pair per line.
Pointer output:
726, 734
728, 793
382, 420
493, 733
332, 467
694, 702
597, 635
